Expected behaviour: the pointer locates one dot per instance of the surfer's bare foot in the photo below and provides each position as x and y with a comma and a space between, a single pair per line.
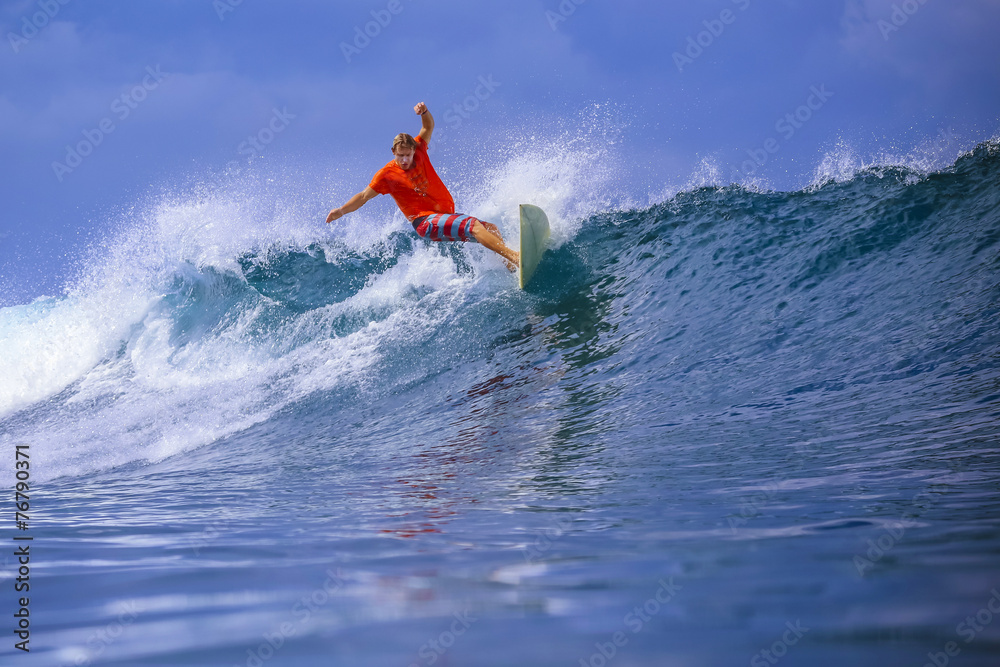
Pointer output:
511, 259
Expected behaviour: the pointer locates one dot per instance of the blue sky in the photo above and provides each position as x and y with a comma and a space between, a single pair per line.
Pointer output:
165, 91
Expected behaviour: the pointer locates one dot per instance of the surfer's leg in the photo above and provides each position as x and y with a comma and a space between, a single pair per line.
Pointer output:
459, 227
488, 235
445, 227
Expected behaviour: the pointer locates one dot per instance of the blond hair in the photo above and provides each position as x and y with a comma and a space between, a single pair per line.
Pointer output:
405, 140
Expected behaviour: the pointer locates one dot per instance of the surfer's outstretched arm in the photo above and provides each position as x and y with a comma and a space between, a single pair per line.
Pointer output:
426, 122
355, 202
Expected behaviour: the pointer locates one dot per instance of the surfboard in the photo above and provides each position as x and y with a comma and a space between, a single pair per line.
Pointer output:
534, 234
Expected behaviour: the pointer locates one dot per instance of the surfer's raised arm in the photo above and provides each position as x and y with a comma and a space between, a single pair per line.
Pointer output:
353, 204
427, 120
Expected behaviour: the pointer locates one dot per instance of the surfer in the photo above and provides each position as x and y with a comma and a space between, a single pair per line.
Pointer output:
423, 198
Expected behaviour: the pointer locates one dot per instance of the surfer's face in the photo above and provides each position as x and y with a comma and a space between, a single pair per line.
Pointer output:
404, 157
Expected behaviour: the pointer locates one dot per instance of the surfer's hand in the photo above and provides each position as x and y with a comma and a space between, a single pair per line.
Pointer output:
420, 109
335, 214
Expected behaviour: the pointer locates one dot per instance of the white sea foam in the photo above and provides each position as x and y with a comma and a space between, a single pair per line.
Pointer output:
53, 342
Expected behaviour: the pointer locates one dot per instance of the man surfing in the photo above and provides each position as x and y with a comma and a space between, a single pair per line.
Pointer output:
423, 198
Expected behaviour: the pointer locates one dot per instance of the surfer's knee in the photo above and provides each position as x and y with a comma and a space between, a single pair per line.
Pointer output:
482, 229
490, 227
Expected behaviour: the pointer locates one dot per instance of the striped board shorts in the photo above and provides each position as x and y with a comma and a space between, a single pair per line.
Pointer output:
446, 227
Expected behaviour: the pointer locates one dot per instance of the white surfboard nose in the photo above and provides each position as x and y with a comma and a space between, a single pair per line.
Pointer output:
534, 234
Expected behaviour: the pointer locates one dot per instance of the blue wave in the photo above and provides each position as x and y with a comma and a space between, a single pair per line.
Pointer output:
717, 297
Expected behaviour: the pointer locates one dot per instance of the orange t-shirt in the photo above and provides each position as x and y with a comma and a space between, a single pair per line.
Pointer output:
418, 190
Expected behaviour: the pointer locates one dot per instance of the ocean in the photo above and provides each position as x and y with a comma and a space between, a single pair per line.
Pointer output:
725, 426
